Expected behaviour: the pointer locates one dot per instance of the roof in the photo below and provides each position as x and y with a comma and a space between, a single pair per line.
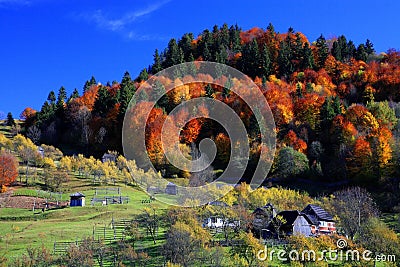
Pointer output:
77, 194
171, 184
316, 213
265, 210
291, 215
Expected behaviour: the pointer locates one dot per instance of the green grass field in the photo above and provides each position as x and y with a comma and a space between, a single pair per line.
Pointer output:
20, 228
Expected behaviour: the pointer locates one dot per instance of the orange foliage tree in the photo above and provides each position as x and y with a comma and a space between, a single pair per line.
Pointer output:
360, 161
28, 113
8, 169
292, 140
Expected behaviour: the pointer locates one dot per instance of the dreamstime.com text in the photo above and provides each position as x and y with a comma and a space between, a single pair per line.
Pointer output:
350, 255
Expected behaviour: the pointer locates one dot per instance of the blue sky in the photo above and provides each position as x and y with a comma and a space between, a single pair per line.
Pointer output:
46, 44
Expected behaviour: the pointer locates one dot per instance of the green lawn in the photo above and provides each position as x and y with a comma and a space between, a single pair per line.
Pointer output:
20, 228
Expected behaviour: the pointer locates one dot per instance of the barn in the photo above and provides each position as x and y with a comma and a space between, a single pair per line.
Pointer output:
77, 200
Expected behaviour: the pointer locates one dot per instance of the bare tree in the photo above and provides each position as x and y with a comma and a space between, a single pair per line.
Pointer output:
354, 206
133, 231
199, 178
83, 117
15, 129
150, 220
101, 134
34, 134
50, 133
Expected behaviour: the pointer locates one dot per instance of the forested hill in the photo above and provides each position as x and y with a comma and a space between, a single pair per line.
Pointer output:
334, 103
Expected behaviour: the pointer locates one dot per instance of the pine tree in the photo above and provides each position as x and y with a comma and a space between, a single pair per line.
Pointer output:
221, 56
234, 39
157, 65
369, 47
307, 58
285, 64
322, 51
309, 88
93, 81
336, 51
89, 83
299, 90
298, 47
143, 76
361, 53
10, 120
224, 35
206, 54
126, 80
126, 92
186, 45
51, 98
209, 91
351, 49
104, 102
61, 98
250, 61
191, 66
75, 94
174, 54
159, 93
46, 112
266, 64
343, 47
86, 86
142, 96
205, 46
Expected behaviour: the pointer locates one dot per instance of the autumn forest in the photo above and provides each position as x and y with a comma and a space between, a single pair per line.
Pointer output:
335, 104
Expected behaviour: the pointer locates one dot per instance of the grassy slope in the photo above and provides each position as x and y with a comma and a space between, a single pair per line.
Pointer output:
21, 227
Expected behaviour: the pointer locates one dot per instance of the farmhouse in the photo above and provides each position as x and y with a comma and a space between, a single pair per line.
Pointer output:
262, 216
77, 200
322, 222
217, 220
213, 222
291, 222
311, 221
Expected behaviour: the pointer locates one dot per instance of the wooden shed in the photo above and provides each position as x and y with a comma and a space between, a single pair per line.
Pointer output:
77, 200
171, 189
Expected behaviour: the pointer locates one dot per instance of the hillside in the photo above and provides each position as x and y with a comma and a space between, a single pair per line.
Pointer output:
334, 102
335, 106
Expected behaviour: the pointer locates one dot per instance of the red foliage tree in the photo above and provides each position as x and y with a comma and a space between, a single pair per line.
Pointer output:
8, 169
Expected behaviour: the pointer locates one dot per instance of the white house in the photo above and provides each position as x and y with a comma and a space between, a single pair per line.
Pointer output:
213, 222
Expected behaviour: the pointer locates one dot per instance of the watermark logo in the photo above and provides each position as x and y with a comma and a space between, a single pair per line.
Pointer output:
341, 243
338, 254
180, 82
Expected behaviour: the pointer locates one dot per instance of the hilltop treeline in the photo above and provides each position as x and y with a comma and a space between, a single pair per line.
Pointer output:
335, 103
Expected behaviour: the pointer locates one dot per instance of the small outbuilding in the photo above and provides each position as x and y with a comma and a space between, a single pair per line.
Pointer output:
77, 200
108, 157
171, 189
